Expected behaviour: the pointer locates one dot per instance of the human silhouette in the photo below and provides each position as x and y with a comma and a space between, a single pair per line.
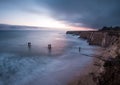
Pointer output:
79, 49
49, 48
29, 46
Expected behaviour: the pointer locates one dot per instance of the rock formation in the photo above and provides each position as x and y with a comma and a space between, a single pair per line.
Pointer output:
100, 38
109, 63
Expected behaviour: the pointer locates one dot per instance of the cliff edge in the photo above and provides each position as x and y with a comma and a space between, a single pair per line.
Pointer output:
108, 62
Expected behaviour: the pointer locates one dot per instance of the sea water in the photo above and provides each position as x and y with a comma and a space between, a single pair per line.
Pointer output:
38, 65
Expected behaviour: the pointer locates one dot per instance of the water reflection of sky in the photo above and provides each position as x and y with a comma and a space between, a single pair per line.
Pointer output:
21, 65
17, 42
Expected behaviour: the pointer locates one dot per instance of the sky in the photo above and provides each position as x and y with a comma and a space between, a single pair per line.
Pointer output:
61, 14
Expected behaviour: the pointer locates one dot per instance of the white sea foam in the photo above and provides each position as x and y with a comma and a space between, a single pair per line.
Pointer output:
37, 66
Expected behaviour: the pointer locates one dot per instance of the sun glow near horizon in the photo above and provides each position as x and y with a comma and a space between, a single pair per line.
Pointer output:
42, 21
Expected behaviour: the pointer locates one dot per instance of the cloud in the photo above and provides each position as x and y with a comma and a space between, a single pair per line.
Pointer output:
87, 13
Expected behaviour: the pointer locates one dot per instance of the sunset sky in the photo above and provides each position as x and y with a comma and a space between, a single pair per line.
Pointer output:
61, 14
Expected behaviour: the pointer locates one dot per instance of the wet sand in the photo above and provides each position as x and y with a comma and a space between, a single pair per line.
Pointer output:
37, 66
67, 73
85, 77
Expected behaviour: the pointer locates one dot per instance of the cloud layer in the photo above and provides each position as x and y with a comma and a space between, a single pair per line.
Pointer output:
88, 13
85, 13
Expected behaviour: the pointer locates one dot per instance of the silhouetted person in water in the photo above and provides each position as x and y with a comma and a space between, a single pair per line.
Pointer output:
79, 49
49, 48
29, 45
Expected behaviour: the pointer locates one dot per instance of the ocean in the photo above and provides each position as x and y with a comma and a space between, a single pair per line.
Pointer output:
38, 65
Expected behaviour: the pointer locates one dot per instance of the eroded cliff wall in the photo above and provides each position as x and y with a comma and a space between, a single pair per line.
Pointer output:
103, 39
108, 62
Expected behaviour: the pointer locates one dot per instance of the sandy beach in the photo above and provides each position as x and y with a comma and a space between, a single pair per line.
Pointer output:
87, 76
37, 66
105, 68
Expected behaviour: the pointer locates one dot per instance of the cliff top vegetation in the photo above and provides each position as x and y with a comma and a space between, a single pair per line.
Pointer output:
116, 28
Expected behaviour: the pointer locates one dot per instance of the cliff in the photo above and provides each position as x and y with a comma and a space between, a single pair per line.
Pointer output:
109, 70
100, 38
108, 63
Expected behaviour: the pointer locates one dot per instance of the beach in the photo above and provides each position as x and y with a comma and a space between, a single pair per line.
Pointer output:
104, 70
59, 42
86, 78
21, 65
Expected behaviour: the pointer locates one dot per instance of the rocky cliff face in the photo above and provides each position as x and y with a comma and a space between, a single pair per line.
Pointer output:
108, 72
103, 39
94, 38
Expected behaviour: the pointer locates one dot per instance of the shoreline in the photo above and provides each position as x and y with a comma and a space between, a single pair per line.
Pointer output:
108, 62
85, 77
